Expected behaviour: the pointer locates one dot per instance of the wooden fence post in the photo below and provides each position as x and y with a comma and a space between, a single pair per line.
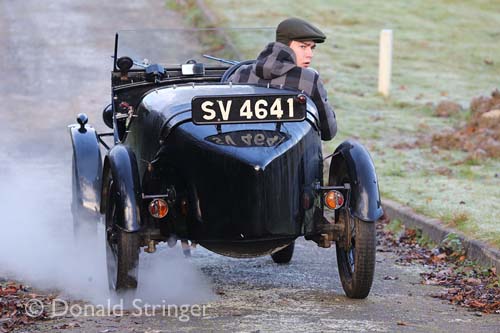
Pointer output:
385, 62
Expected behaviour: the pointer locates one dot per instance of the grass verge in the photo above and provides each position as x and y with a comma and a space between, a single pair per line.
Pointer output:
442, 51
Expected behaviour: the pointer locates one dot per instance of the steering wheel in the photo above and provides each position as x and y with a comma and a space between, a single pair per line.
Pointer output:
231, 70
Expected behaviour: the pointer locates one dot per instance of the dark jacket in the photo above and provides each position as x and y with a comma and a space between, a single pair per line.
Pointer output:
276, 65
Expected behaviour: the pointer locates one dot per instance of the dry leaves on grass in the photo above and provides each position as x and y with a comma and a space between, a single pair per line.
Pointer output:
480, 137
447, 109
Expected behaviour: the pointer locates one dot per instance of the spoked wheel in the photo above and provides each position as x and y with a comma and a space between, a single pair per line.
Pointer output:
122, 248
285, 255
356, 259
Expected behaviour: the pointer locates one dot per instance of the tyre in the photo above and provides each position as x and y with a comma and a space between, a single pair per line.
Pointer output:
285, 255
122, 248
356, 261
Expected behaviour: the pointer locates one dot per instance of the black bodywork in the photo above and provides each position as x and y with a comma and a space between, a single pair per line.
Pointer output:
242, 190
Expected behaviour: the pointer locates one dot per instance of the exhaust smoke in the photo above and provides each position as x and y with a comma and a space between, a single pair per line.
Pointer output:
37, 245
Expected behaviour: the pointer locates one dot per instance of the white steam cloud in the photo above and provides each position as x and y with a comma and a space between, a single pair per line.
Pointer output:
37, 244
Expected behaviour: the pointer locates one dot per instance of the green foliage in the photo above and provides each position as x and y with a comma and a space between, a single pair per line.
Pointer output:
174, 5
190, 11
395, 171
395, 226
424, 240
466, 172
472, 162
459, 219
494, 284
453, 244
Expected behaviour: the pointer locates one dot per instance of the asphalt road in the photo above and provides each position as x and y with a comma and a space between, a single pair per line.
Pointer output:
55, 63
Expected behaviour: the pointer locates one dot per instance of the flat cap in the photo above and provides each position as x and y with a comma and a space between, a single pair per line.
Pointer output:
297, 29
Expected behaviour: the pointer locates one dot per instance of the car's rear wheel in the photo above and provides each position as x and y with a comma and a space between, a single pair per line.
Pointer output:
285, 255
356, 258
122, 248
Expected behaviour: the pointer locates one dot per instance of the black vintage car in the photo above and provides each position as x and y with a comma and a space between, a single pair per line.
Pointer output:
236, 168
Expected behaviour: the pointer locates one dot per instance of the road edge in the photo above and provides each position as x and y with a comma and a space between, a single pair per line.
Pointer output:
437, 231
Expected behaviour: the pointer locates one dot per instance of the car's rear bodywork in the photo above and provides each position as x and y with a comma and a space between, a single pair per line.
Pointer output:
243, 183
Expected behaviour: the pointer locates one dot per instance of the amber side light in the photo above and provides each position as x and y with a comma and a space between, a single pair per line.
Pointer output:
158, 208
333, 199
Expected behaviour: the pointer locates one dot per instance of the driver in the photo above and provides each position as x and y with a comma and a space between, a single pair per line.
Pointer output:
286, 63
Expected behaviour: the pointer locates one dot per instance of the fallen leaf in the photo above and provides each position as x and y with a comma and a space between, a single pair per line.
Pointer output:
441, 256
8, 291
473, 281
476, 304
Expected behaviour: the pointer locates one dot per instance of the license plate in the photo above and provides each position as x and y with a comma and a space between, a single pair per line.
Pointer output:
248, 109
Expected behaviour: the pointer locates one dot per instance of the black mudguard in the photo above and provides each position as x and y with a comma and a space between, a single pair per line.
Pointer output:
352, 163
121, 164
87, 164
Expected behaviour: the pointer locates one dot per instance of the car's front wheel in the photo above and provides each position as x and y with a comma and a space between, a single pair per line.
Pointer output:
356, 258
122, 248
